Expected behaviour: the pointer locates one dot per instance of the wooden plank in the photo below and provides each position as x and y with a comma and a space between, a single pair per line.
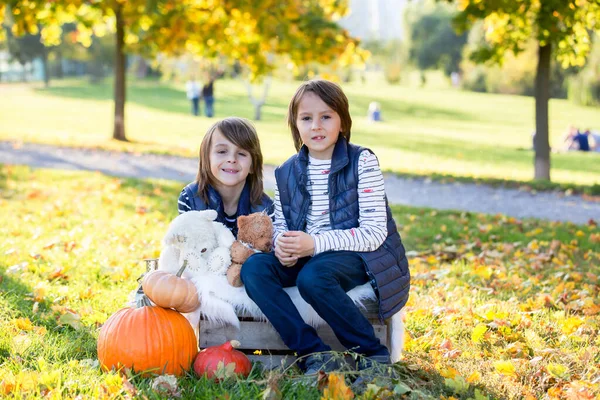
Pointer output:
270, 361
262, 336
252, 335
370, 310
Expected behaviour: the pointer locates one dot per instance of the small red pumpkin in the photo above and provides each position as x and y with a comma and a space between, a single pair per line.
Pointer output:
210, 360
147, 339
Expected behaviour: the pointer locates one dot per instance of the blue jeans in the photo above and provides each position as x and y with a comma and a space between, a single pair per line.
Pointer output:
195, 105
209, 104
322, 281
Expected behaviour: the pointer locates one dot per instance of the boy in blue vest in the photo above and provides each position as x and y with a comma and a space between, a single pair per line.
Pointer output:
333, 231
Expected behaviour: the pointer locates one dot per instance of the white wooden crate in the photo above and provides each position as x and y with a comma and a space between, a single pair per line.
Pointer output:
260, 335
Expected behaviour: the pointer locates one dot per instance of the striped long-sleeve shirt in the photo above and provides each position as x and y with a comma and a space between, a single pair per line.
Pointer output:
372, 229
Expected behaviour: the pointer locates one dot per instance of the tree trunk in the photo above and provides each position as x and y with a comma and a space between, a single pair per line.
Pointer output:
59, 65
541, 142
46, 67
257, 110
24, 72
258, 103
119, 131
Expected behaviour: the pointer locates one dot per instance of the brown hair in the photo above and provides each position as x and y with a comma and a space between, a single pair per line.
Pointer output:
242, 133
332, 94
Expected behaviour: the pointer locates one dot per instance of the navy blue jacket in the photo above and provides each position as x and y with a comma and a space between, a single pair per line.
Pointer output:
216, 203
387, 266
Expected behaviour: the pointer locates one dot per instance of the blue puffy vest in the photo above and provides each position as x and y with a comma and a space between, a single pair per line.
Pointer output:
387, 266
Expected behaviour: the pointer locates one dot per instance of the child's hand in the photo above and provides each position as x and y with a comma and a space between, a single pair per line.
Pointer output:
296, 243
285, 258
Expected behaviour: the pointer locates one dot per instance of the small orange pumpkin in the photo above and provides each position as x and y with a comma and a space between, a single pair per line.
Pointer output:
171, 291
208, 360
147, 339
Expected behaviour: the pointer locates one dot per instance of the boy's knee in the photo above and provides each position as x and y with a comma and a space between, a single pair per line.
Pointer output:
255, 266
309, 282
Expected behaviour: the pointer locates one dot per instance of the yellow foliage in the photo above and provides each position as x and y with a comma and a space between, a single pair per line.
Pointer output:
505, 368
337, 389
113, 384
474, 377
558, 370
448, 372
570, 325
478, 333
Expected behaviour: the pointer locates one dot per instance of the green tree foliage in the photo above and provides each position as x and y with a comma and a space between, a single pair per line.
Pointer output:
561, 28
433, 41
584, 88
251, 33
27, 48
516, 74
391, 55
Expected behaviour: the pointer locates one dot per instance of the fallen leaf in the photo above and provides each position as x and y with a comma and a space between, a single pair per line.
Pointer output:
505, 368
167, 385
23, 324
474, 377
558, 370
478, 333
128, 387
337, 389
71, 319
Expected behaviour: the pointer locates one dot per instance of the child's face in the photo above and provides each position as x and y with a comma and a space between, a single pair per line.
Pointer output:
319, 126
229, 164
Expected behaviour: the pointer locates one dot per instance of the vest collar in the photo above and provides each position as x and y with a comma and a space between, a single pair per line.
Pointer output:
216, 202
339, 159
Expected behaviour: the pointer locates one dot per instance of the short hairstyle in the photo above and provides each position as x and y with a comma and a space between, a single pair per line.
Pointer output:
332, 94
242, 133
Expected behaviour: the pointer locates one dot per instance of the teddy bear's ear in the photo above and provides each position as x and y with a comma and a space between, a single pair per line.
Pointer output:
241, 221
210, 215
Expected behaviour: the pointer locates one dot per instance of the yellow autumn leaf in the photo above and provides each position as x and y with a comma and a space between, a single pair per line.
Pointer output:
7, 383
478, 333
505, 368
483, 271
474, 377
570, 325
113, 384
555, 393
23, 324
558, 370
337, 389
448, 372
39, 292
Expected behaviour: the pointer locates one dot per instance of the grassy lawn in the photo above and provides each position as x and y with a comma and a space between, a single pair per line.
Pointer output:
432, 130
500, 308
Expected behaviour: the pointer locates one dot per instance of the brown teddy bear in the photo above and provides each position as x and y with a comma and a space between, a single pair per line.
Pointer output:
255, 235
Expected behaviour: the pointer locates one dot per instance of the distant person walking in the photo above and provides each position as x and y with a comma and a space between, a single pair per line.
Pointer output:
193, 94
208, 95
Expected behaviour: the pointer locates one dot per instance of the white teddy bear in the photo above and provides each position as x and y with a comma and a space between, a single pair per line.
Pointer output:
195, 237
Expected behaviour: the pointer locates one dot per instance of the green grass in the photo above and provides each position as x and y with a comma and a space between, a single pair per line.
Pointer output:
499, 308
427, 131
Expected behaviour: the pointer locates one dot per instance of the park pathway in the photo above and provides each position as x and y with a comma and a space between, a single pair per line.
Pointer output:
419, 192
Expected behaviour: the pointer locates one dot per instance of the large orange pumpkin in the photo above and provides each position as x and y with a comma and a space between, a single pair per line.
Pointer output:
171, 291
147, 339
